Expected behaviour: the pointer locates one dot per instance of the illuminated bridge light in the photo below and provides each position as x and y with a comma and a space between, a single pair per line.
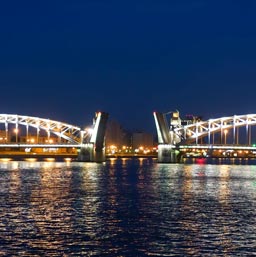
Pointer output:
31, 159
49, 159
5, 159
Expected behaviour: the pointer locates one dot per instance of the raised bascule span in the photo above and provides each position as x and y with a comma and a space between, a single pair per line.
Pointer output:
89, 142
198, 134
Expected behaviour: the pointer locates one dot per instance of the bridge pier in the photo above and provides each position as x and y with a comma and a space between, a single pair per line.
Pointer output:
94, 151
88, 153
168, 154
167, 140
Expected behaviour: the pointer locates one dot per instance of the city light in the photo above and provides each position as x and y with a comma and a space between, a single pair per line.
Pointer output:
16, 131
129, 151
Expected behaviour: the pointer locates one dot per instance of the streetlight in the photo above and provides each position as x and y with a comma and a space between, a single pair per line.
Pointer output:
16, 131
225, 134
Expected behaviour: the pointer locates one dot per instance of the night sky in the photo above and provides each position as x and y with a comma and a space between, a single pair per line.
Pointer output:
64, 60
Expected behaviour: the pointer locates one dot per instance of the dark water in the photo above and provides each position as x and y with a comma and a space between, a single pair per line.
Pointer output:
127, 207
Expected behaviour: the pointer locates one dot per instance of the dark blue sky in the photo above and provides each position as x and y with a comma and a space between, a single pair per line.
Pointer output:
65, 60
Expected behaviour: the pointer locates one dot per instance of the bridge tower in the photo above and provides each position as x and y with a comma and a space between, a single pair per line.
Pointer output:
94, 150
167, 139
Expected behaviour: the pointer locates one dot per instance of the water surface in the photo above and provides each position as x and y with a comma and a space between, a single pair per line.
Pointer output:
127, 207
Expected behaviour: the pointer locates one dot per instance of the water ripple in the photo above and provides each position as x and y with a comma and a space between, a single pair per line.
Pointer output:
128, 207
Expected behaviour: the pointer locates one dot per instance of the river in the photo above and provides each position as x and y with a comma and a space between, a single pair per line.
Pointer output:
127, 207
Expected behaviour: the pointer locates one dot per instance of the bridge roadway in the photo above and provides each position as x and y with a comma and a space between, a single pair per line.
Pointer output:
16, 145
19, 152
217, 151
216, 147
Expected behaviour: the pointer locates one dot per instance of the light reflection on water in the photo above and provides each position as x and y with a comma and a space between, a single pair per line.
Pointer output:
127, 207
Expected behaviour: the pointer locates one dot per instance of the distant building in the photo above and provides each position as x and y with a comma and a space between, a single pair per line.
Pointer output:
116, 135
120, 140
140, 139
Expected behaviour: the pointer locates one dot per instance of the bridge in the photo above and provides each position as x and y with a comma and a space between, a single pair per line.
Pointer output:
225, 136
32, 135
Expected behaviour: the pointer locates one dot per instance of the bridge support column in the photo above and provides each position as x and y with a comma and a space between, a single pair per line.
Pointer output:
88, 153
168, 154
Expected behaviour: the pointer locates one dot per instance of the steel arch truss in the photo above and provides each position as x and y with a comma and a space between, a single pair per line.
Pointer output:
193, 132
66, 131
